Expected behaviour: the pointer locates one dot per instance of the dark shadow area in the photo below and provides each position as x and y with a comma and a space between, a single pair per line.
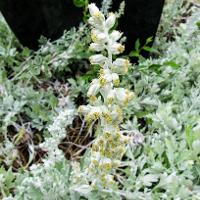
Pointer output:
29, 19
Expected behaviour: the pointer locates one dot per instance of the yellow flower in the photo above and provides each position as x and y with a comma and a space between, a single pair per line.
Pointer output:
115, 78
107, 117
107, 166
102, 82
96, 115
95, 162
118, 136
108, 154
110, 100
107, 135
101, 142
89, 119
98, 38
121, 48
93, 99
117, 48
95, 148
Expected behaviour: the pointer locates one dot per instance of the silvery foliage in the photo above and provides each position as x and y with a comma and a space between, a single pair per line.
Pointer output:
106, 5
8, 152
49, 179
169, 101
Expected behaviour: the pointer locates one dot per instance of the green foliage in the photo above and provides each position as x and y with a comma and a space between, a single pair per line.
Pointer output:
82, 4
139, 48
7, 178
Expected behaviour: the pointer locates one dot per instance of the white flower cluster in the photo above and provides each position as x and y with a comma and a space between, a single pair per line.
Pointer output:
106, 99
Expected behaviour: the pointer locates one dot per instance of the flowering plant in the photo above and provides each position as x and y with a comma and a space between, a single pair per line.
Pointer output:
106, 99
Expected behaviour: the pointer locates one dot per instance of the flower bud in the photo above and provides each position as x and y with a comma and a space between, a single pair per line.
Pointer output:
94, 114
116, 163
110, 22
119, 62
120, 66
96, 47
117, 48
97, 18
117, 113
110, 97
98, 59
83, 110
94, 88
123, 95
98, 37
107, 117
115, 78
93, 99
107, 76
93, 9
115, 35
